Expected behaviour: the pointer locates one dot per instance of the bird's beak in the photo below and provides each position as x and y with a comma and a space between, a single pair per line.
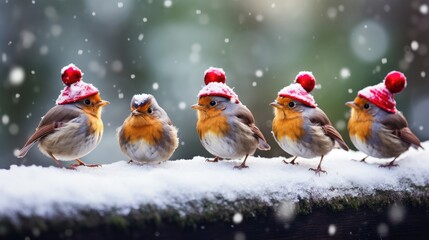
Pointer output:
103, 103
351, 104
275, 104
197, 107
135, 112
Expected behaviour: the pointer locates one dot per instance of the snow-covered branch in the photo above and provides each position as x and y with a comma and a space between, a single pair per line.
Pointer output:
43, 192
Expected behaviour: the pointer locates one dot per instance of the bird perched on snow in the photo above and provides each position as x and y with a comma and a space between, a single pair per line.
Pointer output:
375, 126
147, 135
73, 128
299, 126
225, 126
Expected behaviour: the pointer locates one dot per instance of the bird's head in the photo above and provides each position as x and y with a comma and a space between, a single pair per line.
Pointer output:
211, 105
288, 108
362, 109
92, 105
145, 106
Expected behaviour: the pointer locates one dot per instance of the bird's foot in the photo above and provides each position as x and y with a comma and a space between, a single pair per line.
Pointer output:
216, 159
130, 161
241, 166
291, 162
81, 163
389, 165
318, 170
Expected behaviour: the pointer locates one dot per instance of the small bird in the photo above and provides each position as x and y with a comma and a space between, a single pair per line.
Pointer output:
375, 126
225, 126
299, 126
147, 135
72, 128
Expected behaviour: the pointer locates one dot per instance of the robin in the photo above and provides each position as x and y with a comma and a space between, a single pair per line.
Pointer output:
147, 135
225, 126
72, 128
375, 126
299, 126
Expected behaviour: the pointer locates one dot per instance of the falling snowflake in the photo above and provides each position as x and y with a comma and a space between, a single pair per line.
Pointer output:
237, 218
141, 36
414, 45
182, 105
5, 119
155, 86
424, 9
345, 73
168, 3
332, 229
16, 76
259, 73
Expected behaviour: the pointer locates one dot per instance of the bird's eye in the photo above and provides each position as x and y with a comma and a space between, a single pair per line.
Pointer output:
149, 110
87, 101
292, 104
366, 106
212, 103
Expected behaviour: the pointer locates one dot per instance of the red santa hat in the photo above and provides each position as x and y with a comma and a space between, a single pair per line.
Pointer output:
75, 88
215, 79
382, 94
301, 88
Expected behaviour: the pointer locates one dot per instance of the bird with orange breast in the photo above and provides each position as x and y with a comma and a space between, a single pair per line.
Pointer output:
299, 126
375, 126
225, 126
73, 128
147, 135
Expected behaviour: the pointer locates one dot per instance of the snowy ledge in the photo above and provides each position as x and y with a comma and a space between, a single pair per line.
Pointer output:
193, 190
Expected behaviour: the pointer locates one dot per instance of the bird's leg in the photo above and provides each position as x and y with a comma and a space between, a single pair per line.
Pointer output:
81, 163
56, 161
319, 169
216, 159
243, 164
292, 162
130, 161
390, 164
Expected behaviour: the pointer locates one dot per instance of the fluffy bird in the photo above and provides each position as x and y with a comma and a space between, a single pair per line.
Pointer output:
73, 128
225, 126
147, 135
375, 126
299, 126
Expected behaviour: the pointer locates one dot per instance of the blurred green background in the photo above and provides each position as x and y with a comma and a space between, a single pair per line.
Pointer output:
163, 48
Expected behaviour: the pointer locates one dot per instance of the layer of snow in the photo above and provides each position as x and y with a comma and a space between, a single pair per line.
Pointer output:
46, 191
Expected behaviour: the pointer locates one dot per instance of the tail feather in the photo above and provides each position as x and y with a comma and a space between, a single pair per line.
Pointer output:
25, 149
262, 145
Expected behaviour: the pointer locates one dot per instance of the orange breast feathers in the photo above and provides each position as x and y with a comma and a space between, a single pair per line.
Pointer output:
93, 112
95, 126
143, 128
360, 122
210, 119
287, 122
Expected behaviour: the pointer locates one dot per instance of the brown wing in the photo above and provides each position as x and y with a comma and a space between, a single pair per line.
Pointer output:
245, 116
319, 117
399, 126
53, 119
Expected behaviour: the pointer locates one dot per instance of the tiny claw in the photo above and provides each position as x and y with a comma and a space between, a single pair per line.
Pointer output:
389, 165
318, 170
80, 163
130, 161
241, 166
216, 159
291, 162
